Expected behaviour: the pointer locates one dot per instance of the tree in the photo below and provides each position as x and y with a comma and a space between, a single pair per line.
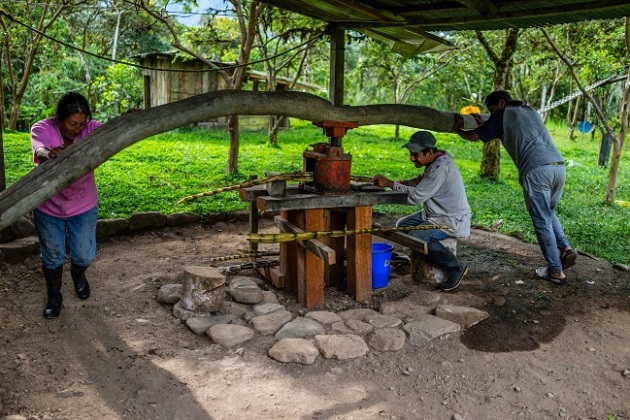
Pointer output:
19, 71
399, 77
247, 13
503, 64
118, 90
279, 31
41, 16
619, 140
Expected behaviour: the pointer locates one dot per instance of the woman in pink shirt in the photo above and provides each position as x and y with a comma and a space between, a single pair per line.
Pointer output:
68, 219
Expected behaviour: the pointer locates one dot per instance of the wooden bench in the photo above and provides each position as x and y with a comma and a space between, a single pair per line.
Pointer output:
422, 270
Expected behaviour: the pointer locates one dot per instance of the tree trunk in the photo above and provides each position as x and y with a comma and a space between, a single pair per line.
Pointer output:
79, 159
491, 162
574, 118
275, 122
3, 179
611, 188
234, 144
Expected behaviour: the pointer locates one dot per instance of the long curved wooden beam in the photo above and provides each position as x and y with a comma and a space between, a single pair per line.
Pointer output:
47, 179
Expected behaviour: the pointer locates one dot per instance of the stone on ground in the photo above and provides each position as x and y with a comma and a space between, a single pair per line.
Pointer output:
341, 347
229, 335
294, 350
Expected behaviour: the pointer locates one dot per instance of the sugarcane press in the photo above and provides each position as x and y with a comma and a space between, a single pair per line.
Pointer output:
327, 203
331, 167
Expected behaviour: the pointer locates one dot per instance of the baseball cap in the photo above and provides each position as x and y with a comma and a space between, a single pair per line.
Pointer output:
420, 140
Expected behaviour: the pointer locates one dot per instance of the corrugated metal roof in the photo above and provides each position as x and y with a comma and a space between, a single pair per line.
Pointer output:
402, 17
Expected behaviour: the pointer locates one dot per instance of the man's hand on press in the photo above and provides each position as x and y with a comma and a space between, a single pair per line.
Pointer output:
458, 120
381, 181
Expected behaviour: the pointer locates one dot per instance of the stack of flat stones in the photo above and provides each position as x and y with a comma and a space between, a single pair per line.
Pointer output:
247, 311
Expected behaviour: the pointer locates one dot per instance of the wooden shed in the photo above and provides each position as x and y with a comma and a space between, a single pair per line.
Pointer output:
169, 78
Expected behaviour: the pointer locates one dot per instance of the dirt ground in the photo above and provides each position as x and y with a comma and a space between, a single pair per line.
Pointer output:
545, 352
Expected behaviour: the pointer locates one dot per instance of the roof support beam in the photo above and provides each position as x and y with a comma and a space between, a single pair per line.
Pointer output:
337, 65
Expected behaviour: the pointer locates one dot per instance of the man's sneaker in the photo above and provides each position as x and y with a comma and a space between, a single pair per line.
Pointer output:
454, 278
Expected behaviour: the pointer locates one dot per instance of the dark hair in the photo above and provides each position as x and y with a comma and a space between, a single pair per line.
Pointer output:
428, 149
72, 103
497, 96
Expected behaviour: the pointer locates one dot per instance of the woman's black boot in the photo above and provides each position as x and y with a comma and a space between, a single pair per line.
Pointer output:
53, 286
81, 285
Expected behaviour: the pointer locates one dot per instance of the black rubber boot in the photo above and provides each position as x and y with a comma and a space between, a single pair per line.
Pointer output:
441, 255
53, 286
81, 285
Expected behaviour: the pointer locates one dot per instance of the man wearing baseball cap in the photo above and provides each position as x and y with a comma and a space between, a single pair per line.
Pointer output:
440, 189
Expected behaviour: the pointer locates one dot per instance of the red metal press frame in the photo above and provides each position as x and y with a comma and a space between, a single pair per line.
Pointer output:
331, 167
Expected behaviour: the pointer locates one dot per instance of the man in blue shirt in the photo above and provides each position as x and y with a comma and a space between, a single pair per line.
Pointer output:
541, 173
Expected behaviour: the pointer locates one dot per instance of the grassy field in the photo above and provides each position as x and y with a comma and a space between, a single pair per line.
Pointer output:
155, 173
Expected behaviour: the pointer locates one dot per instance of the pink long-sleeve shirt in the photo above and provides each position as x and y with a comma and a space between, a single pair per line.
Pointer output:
81, 195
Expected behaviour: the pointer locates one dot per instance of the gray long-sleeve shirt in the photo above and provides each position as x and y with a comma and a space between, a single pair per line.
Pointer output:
524, 136
441, 190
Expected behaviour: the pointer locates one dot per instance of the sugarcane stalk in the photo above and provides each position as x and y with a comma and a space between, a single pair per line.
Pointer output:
245, 266
244, 255
296, 176
270, 238
292, 176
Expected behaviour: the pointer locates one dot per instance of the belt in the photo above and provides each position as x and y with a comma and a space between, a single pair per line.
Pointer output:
554, 163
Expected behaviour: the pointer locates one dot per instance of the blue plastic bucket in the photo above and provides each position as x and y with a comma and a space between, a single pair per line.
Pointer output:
381, 258
584, 126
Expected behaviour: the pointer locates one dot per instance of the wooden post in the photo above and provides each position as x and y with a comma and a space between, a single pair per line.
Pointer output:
253, 218
147, 92
337, 64
333, 273
310, 268
359, 270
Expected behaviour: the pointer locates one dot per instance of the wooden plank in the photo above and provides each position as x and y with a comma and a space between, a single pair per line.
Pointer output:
317, 201
322, 251
334, 272
274, 275
403, 239
310, 269
359, 269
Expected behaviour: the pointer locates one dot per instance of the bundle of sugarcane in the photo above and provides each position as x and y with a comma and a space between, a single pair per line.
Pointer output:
269, 238
292, 176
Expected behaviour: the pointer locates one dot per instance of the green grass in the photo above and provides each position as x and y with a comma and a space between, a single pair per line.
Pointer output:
153, 174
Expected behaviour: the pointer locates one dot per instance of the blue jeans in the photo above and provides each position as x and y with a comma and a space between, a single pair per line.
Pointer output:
77, 234
542, 189
416, 219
